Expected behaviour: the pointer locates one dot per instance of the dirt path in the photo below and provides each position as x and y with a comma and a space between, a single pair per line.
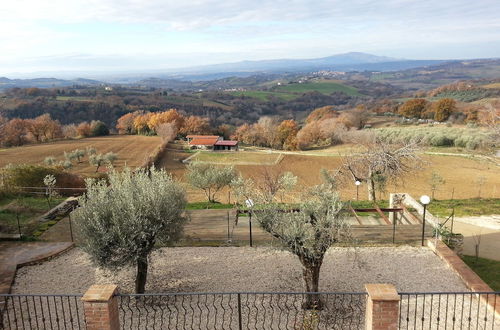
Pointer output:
489, 245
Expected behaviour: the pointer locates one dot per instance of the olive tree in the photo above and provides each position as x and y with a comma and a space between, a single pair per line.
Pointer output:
308, 233
210, 178
78, 154
122, 221
96, 160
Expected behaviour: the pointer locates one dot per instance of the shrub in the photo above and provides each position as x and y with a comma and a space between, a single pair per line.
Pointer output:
98, 128
49, 161
24, 175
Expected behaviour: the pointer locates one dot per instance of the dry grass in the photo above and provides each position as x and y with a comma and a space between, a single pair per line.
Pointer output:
460, 174
131, 151
237, 158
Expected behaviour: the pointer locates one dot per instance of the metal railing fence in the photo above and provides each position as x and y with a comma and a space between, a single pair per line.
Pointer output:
41, 311
449, 310
242, 311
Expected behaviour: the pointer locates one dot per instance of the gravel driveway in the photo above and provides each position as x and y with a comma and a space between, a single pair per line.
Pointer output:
226, 269
229, 269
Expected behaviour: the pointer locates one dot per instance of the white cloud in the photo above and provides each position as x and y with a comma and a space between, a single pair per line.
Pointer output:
252, 29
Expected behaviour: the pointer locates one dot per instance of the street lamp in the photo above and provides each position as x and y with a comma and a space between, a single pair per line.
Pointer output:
424, 200
250, 204
357, 183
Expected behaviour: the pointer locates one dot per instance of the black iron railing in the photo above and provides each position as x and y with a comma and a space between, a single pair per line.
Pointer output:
36, 311
242, 311
449, 310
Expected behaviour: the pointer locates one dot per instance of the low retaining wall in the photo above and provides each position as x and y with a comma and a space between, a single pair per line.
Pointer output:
468, 276
406, 199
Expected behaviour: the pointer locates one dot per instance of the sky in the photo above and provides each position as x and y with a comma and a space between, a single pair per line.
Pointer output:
134, 35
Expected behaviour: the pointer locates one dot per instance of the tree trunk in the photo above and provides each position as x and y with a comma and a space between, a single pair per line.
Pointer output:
142, 274
371, 189
310, 272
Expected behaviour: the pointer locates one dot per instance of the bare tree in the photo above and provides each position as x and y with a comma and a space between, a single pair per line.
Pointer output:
380, 161
480, 181
434, 181
271, 182
121, 222
167, 132
308, 233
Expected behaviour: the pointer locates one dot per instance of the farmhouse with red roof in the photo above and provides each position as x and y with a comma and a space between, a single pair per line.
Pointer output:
211, 142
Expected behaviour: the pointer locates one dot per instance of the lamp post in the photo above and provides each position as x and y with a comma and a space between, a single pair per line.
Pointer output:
425, 200
357, 183
249, 204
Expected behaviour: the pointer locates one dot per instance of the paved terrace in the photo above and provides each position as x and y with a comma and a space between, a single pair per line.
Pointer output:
16, 254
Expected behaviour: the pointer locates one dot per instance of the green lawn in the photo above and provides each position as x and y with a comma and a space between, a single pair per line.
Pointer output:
237, 158
208, 205
487, 269
325, 87
369, 204
27, 208
465, 207
264, 96
75, 98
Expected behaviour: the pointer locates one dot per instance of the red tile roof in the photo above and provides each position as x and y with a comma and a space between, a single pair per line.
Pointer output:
205, 141
226, 143
201, 136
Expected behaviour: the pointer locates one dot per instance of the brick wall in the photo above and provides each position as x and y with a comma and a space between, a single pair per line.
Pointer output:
101, 308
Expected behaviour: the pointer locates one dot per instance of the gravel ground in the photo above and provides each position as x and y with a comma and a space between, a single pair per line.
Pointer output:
226, 269
230, 269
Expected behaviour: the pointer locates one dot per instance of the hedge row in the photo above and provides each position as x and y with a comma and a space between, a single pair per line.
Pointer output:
470, 138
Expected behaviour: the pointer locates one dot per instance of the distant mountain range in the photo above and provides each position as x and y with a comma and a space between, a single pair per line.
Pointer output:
348, 62
6, 83
354, 61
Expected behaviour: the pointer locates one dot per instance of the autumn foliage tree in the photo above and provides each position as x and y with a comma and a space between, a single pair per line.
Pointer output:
14, 133
413, 108
444, 108
195, 125
125, 124
287, 134
322, 113
43, 128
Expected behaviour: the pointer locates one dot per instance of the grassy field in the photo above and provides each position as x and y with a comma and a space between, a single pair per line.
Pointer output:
264, 96
492, 86
75, 98
28, 209
325, 87
487, 269
460, 173
131, 151
465, 207
238, 158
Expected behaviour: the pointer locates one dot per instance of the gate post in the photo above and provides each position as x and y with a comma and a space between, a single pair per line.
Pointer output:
382, 307
101, 307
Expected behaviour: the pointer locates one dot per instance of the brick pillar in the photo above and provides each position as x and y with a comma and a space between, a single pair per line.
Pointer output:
382, 307
101, 308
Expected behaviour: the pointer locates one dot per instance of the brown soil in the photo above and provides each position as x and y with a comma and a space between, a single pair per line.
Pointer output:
459, 173
131, 151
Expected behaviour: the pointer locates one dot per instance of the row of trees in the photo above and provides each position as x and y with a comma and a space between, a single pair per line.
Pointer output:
440, 110
324, 126
95, 159
148, 123
123, 219
17, 131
